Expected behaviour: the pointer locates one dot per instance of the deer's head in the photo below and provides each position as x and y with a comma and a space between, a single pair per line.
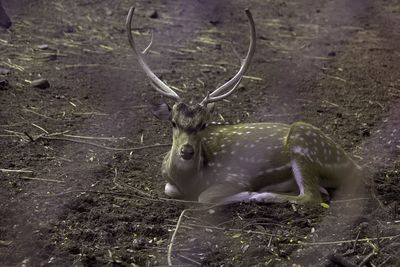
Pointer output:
188, 120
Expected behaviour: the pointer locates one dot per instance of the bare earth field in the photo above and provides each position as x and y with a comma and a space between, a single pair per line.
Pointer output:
80, 180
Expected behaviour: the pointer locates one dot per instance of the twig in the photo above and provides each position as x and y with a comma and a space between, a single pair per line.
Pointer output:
160, 199
355, 242
367, 258
40, 128
233, 230
178, 223
350, 200
269, 242
94, 65
189, 259
174, 235
90, 113
29, 137
336, 78
18, 171
128, 186
5, 243
252, 78
94, 137
101, 146
40, 115
41, 179
342, 241
19, 134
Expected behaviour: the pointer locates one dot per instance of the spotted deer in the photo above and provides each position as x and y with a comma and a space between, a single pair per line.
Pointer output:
262, 162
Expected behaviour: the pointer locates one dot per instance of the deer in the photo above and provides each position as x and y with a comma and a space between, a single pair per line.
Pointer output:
249, 162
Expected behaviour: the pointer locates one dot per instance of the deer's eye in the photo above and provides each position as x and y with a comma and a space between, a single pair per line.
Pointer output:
173, 124
203, 126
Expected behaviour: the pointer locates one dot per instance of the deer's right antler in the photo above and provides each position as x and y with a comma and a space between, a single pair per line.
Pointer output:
218, 94
156, 82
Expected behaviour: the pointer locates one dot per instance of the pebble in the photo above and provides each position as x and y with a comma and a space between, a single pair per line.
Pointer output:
69, 29
41, 83
332, 54
4, 71
109, 12
3, 84
154, 15
43, 47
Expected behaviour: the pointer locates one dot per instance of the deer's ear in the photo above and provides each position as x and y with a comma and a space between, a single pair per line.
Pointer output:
161, 111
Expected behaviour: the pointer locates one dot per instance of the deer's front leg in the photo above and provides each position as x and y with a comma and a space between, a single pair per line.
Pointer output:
172, 191
217, 193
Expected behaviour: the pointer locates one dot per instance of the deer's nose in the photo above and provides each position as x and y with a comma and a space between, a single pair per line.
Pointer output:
187, 152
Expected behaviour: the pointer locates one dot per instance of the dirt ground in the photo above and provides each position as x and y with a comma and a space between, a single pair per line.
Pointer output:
80, 180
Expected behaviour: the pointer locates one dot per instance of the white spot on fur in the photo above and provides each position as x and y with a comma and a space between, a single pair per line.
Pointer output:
300, 150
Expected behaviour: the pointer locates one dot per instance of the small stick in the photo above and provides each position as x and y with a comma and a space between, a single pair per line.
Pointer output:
270, 241
201, 82
90, 113
128, 186
174, 235
101, 146
252, 78
344, 241
367, 258
29, 136
40, 115
189, 259
40, 128
178, 223
350, 200
15, 133
17, 171
233, 230
160, 199
93, 137
41, 179
5, 243
336, 78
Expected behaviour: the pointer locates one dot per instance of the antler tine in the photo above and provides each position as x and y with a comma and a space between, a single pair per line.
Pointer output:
156, 82
209, 99
146, 50
235, 81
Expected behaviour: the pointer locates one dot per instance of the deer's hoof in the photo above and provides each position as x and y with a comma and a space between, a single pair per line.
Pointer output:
172, 191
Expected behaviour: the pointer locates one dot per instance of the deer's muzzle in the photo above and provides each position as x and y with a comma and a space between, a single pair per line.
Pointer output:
187, 152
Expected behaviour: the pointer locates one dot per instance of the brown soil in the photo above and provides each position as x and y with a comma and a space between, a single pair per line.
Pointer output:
80, 201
